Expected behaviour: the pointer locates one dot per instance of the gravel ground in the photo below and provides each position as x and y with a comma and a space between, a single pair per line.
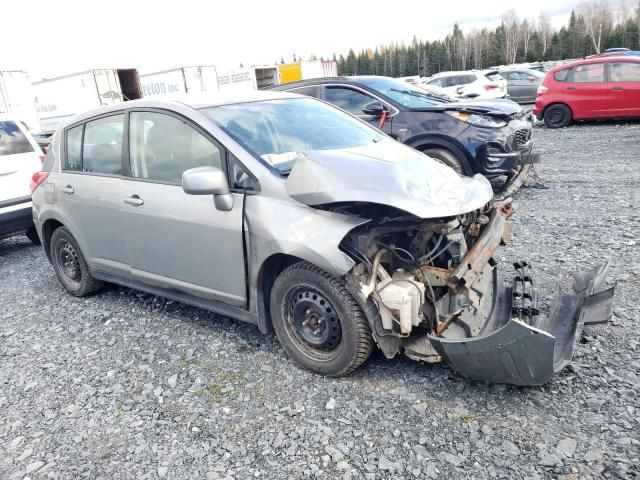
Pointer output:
126, 385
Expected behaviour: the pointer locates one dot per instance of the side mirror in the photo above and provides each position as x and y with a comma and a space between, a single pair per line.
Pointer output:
208, 181
373, 108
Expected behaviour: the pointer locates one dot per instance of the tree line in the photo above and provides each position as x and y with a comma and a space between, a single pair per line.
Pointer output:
593, 26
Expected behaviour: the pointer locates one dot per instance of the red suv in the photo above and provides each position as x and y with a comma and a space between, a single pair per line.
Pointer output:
594, 88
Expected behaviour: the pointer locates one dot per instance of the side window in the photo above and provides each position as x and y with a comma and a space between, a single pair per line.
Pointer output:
162, 147
436, 82
625, 72
350, 100
102, 145
241, 179
310, 91
73, 158
589, 73
562, 75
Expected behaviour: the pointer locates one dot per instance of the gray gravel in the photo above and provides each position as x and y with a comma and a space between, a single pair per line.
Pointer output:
126, 385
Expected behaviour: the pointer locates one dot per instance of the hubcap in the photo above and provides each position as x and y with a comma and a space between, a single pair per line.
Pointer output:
313, 319
68, 261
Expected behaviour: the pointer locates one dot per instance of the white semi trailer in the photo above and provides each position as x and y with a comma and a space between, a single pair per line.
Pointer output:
59, 98
17, 98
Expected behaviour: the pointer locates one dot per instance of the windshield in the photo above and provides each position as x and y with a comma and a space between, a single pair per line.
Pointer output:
279, 131
402, 92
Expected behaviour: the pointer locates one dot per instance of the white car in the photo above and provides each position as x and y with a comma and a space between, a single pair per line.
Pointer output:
20, 158
471, 83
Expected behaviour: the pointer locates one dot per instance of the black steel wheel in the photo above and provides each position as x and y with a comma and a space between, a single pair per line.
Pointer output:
69, 264
557, 116
318, 322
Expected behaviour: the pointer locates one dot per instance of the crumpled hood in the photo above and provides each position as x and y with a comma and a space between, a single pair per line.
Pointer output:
387, 173
503, 106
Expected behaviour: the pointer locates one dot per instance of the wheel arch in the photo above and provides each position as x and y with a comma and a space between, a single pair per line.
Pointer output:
48, 227
267, 274
553, 105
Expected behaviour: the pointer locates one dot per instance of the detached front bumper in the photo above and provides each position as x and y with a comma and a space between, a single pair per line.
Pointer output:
510, 349
506, 339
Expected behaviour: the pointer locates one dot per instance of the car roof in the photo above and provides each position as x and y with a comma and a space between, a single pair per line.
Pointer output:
586, 61
195, 101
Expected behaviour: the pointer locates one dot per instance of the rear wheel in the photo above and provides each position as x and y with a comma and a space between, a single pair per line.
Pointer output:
557, 116
70, 266
445, 156
318, 322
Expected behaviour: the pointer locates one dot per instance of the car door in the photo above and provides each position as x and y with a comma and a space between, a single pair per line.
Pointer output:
174, 240
521, 86
87, 190
624, 89
353, 100
587, 91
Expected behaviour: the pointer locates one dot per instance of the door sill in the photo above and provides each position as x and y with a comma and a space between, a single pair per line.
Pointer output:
227, 310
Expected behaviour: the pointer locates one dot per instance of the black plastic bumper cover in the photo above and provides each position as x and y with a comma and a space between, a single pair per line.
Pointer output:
509, 350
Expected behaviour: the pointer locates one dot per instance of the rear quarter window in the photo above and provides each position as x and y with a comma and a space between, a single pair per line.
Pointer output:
12, 140
494, 77
561, 75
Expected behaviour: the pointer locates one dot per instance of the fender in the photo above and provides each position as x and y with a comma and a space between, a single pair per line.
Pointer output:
281, 233
426, 140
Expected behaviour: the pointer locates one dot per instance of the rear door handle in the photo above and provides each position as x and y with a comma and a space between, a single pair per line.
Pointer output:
134, 200
571, 88
68, 189
617, 88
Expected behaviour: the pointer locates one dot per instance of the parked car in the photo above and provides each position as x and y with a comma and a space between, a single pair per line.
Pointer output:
471, 83
522, 84
598, 88
20, 157
288, 213
491, 137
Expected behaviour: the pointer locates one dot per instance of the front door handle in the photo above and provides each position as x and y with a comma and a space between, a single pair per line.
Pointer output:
68, 189
571, 88
617, 88
134, 200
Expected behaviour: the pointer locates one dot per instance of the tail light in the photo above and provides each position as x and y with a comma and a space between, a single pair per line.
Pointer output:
541, 90
42, 159
37, 179
490, 86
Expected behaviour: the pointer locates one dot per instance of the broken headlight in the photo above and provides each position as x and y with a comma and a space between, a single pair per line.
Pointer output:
478, 120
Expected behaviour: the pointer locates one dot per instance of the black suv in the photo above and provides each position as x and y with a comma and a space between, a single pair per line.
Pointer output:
491, 137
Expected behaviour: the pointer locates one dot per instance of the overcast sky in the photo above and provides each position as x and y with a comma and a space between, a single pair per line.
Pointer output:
50, 38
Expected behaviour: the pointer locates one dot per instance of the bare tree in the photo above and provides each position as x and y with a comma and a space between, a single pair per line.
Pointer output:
511, 25
526, 31
545, 31
597, 16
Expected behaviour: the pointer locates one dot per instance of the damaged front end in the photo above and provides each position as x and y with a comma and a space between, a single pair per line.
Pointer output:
431, 290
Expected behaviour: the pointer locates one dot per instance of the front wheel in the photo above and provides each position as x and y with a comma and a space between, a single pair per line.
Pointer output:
557, 116
70, 266
318, 322
445, 156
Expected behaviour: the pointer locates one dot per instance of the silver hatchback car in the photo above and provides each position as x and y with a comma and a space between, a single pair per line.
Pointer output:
288, 213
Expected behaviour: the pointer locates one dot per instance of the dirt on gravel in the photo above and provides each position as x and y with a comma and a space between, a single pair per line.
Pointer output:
124, 385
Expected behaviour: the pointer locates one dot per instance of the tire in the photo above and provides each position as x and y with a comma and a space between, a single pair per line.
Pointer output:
70, 265
318, 322
32, 235
445, 156
557, 116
